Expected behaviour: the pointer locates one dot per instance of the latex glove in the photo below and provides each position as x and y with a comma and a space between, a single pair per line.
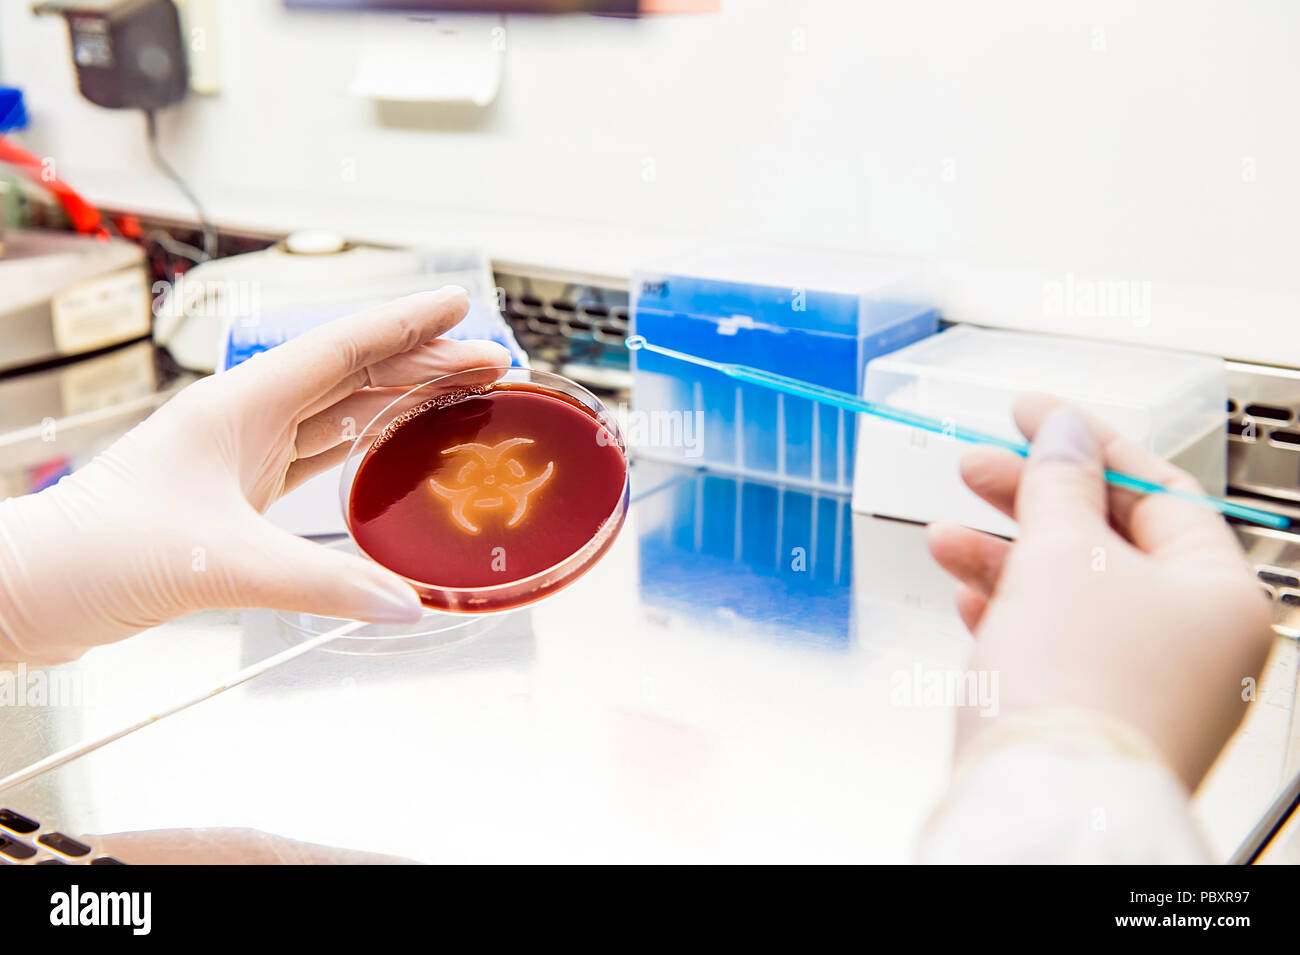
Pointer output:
226, 847
1137, 606
168, 520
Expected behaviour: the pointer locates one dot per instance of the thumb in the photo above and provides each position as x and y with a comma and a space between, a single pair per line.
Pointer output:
290, 573
1062, 482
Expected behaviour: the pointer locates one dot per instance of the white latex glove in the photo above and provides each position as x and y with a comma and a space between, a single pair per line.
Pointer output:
1140, 608
226, 847
169, 519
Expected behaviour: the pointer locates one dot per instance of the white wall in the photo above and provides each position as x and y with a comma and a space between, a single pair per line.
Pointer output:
1026, 146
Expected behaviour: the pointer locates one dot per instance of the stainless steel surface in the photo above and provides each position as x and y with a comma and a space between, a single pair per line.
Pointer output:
625, 718
723, 686
575, 325
1264, 430
55, 420
1284, 849
1275, 556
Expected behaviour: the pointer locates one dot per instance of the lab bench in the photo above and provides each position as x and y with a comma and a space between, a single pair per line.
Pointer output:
723, 686
752, 714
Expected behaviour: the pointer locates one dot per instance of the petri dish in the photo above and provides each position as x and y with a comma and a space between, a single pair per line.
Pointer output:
488, 489
434, 631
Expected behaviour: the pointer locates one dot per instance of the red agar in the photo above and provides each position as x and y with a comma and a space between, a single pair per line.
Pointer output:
485, 488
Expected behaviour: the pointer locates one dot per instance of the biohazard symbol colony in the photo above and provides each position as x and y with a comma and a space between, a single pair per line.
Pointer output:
491, 478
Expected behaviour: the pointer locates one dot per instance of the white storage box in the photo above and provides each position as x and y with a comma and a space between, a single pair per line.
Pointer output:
1169, 402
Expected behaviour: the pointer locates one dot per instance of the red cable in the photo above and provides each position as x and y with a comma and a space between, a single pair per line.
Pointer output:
85, 217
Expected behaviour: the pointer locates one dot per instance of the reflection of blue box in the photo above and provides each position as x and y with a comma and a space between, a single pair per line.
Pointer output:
776, 559
818, 316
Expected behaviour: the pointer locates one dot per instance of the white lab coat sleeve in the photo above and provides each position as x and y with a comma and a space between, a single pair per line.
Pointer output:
1066, 790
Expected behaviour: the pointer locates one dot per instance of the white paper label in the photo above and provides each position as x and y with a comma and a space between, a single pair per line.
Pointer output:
113, 308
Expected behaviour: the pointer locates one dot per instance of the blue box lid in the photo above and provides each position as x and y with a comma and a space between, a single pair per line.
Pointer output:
778, 288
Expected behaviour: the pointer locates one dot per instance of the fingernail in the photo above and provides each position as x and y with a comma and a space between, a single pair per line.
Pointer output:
937, 530
391, 604
1064, 435
450, 291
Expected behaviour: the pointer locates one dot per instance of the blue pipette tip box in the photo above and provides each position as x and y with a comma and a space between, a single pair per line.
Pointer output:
815, 315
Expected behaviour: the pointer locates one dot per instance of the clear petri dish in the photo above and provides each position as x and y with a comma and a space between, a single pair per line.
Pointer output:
436, 630
488, 489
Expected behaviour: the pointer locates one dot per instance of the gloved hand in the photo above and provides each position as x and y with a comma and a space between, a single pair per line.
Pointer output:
1138, 607
168, 520
227, 847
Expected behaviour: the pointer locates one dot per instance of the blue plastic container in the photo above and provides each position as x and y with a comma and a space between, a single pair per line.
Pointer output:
13, 113
813, 315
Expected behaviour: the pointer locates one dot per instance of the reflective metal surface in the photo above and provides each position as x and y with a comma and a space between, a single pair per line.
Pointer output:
722, 686
1275, 556
1264, 430
54, 420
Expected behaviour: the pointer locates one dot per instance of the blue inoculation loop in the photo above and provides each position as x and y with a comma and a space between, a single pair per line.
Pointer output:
1242, 512
840, 399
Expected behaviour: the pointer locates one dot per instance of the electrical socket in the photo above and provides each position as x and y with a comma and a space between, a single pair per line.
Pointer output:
200, 28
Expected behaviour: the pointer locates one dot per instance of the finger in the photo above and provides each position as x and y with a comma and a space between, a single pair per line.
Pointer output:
970, 607
993, 474
479, 363
1157, 524
973, 557
300, 371
345, 418
284, 572
304, 469
1062, 484
433, 359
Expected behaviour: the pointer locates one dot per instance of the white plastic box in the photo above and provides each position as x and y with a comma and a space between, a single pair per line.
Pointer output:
1171, 403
